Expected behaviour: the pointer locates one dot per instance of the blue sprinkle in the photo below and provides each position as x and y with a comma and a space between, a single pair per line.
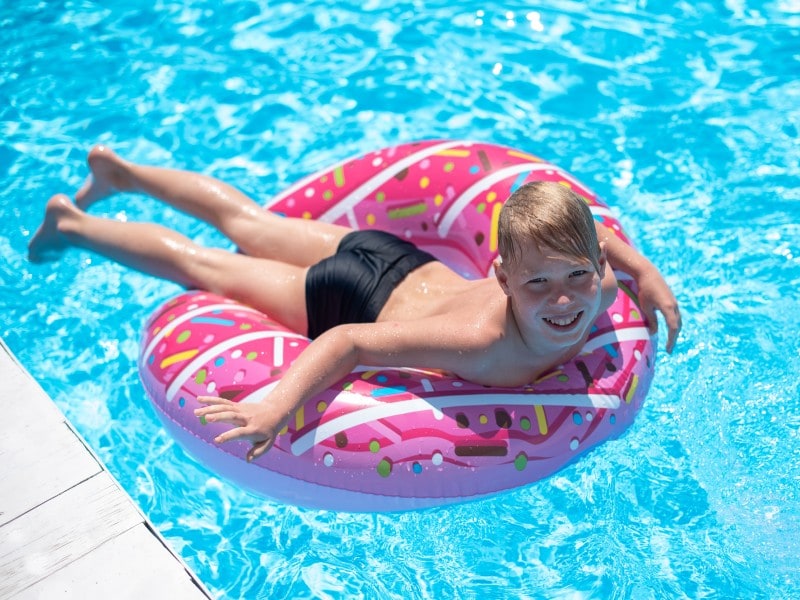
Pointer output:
612, 419
151, 359
181, 402
382, 378
219, 362
519, 181
576, 418
417, 468
388, 391
474, 169
213, 321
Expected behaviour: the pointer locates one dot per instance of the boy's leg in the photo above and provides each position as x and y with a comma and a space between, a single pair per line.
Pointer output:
275, 288
256, 231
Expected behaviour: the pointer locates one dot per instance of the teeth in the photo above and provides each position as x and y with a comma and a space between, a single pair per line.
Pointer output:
562, 321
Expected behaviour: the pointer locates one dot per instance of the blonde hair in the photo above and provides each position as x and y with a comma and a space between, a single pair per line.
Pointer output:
552, 216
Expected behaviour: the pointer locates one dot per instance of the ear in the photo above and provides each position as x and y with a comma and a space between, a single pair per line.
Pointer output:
602, 260
501, 275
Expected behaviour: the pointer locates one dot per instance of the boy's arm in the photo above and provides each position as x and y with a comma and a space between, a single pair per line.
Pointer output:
654, 292
328, 359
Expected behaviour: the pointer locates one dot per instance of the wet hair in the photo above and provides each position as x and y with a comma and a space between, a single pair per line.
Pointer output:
551, 215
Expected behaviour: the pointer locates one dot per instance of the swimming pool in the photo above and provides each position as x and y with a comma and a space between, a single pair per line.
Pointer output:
683, 117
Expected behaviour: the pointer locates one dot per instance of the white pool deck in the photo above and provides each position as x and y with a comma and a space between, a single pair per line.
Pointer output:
67, 528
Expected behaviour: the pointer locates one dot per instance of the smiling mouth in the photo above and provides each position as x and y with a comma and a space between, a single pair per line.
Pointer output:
565, 322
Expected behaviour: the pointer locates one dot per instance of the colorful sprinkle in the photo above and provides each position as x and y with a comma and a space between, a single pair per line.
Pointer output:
374, 446
176, 358
454, 153
408, 211
524, 156
387, 391
632, 389
384, 467
213, 321
496, 208
520, 462
541, 419
338, 176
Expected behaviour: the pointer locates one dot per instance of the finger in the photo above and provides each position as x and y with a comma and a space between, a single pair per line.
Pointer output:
228, 416
211, 409
258, 449
213, 400
674, 323
231, 435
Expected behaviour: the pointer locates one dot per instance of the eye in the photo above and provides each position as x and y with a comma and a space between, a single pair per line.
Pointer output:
537, 280
579, 273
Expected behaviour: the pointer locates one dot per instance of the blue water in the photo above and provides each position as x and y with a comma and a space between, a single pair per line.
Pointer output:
683, 115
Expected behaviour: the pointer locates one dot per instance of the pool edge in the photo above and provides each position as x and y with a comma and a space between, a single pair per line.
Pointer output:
66, 524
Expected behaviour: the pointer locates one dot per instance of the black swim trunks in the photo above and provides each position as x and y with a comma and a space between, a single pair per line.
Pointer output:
353, 285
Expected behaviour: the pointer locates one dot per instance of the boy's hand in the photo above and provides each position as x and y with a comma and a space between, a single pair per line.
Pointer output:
252, 422
654, 294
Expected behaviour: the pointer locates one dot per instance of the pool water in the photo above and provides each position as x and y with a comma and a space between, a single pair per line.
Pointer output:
684, 116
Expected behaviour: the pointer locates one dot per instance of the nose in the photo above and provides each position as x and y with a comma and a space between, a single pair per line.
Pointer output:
561, 297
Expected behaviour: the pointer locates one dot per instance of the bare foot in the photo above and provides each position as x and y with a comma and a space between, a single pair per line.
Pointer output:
109, 175
48, 238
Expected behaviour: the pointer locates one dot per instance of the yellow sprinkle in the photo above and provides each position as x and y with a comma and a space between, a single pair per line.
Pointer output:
438, 199
424, 182
548, 376
171, 360
338, 176
541, 419
632, 391
367, 374
370, 219
455, 153
300, 418
491, 197
496, 208
524, 155
321, 406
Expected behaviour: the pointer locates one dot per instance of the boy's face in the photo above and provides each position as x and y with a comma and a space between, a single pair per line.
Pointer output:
555, 298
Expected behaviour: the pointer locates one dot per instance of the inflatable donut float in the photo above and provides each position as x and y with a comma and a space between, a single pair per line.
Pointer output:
398, 439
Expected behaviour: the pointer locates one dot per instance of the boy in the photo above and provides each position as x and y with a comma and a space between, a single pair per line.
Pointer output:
368, 297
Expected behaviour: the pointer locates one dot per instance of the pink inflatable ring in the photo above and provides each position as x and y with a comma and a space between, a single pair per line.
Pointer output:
397, 439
